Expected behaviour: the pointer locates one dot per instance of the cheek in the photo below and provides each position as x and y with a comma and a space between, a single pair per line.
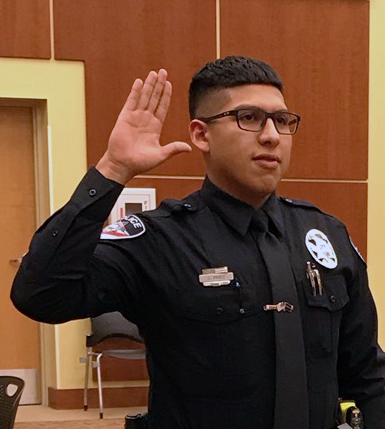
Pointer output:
224, 145
286, 154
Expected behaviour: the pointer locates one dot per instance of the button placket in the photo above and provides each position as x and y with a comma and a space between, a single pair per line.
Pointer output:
238, 288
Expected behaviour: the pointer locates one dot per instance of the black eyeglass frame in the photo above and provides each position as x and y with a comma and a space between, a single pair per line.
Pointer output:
268, 115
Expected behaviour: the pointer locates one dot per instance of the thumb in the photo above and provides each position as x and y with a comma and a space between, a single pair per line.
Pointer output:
175, 148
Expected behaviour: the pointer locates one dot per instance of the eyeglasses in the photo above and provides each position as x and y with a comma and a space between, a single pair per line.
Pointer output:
254, 119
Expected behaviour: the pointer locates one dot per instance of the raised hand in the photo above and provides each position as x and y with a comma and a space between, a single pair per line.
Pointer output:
134, 146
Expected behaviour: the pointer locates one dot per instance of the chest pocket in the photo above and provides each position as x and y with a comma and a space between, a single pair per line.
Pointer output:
322, 317
224, 333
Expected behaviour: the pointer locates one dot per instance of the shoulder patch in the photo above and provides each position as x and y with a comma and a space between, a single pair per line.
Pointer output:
128, 227
356, 250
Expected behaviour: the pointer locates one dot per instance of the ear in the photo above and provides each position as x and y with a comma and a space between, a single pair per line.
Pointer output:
198, 135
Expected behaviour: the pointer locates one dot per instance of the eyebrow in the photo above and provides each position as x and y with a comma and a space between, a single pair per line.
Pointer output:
250, 106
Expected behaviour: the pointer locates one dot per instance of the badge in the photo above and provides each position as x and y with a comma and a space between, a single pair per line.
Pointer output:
321, 249
216, 276
129, 227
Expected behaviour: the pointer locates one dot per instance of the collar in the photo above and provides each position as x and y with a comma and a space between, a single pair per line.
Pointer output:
237, 213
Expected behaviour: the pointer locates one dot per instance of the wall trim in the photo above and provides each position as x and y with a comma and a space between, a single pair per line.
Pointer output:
113, 397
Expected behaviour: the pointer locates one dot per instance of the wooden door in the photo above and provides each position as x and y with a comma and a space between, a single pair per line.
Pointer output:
19, 335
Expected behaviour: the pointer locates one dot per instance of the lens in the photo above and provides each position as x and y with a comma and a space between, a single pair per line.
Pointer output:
251, 120
286, 123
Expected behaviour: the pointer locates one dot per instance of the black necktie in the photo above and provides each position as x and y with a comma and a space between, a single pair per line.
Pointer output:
291, 403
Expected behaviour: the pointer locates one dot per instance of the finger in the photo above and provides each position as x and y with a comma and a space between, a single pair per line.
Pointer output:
164, 102
147, 89
133, 97
175, 148
158, 90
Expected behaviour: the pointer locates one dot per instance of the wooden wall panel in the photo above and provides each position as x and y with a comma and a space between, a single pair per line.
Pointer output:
347, 201
120, 40
25, 29
321, 50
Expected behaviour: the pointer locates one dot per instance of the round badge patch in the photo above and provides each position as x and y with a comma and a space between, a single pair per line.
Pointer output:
321, 249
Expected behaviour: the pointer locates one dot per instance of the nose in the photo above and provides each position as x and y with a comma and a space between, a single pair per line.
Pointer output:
269, 134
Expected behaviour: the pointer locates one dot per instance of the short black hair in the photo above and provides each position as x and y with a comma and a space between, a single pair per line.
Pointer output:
229, 72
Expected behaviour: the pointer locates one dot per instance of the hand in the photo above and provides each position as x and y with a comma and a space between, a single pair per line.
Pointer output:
134, 146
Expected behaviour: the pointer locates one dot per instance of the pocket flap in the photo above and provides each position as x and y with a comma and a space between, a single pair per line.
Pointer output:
334, 295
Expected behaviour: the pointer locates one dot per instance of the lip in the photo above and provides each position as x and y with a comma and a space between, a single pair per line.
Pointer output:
268, 159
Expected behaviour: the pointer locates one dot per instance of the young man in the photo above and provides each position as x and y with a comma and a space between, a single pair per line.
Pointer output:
255, 309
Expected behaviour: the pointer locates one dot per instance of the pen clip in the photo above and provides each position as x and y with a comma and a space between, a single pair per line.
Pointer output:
314, 276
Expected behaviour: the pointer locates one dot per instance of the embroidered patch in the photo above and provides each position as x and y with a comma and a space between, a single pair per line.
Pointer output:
356, 249
321, 249
128, 227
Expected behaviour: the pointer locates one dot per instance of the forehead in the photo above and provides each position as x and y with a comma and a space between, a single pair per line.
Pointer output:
267, 97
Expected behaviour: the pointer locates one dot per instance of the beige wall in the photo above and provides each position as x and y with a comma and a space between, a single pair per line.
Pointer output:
376, 195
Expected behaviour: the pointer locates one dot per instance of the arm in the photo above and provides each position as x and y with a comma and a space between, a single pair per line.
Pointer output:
61, 277
361, 361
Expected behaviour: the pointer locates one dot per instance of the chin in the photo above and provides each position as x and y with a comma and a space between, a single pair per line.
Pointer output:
265, 187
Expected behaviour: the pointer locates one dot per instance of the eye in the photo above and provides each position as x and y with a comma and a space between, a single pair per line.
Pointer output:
250, 116
283, 118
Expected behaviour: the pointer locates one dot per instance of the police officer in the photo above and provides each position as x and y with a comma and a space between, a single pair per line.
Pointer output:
255, 309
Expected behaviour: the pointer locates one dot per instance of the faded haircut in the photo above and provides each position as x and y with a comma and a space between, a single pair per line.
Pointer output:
229, 72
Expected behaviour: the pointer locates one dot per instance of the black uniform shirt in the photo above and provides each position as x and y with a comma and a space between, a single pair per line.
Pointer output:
211, 350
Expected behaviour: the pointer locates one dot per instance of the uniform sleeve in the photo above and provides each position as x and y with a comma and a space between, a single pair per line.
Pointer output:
361, 365
61, 277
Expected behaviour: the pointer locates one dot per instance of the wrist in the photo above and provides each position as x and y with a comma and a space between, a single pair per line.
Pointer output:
113, 171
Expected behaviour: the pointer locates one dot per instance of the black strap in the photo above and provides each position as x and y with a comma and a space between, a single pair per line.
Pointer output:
291, 403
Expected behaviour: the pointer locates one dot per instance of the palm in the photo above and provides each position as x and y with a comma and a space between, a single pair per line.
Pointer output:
135, 141
134, 146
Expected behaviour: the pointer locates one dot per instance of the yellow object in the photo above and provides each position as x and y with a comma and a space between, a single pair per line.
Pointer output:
344, 407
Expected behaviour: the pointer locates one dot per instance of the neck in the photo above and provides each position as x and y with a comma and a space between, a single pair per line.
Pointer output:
252, 197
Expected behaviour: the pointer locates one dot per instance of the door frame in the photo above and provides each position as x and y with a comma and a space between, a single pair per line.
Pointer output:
42, 207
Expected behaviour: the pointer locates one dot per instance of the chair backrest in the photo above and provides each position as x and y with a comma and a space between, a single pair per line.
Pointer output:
9, 399
111, 325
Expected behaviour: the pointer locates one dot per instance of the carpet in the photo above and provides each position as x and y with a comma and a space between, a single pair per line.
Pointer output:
74, 424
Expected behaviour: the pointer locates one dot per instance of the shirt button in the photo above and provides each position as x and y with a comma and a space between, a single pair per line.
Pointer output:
55, 233
92, 192
242, 310
187, 206
237, 284
219, 311
332, 299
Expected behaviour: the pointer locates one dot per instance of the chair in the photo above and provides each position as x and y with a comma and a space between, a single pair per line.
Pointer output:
9, 399
107, 326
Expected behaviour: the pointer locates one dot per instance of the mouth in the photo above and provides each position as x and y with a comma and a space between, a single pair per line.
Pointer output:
266, 160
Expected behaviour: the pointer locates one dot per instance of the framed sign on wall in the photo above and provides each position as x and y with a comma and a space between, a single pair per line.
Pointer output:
133, 200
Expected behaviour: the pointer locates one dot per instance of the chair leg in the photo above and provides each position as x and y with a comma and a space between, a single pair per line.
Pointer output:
86, 376
99, 385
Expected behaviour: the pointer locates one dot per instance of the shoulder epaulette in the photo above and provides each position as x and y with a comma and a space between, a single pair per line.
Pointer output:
300, 203
306, 205
169, 206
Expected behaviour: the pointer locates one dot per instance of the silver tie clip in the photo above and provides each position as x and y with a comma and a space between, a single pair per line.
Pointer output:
281, 307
